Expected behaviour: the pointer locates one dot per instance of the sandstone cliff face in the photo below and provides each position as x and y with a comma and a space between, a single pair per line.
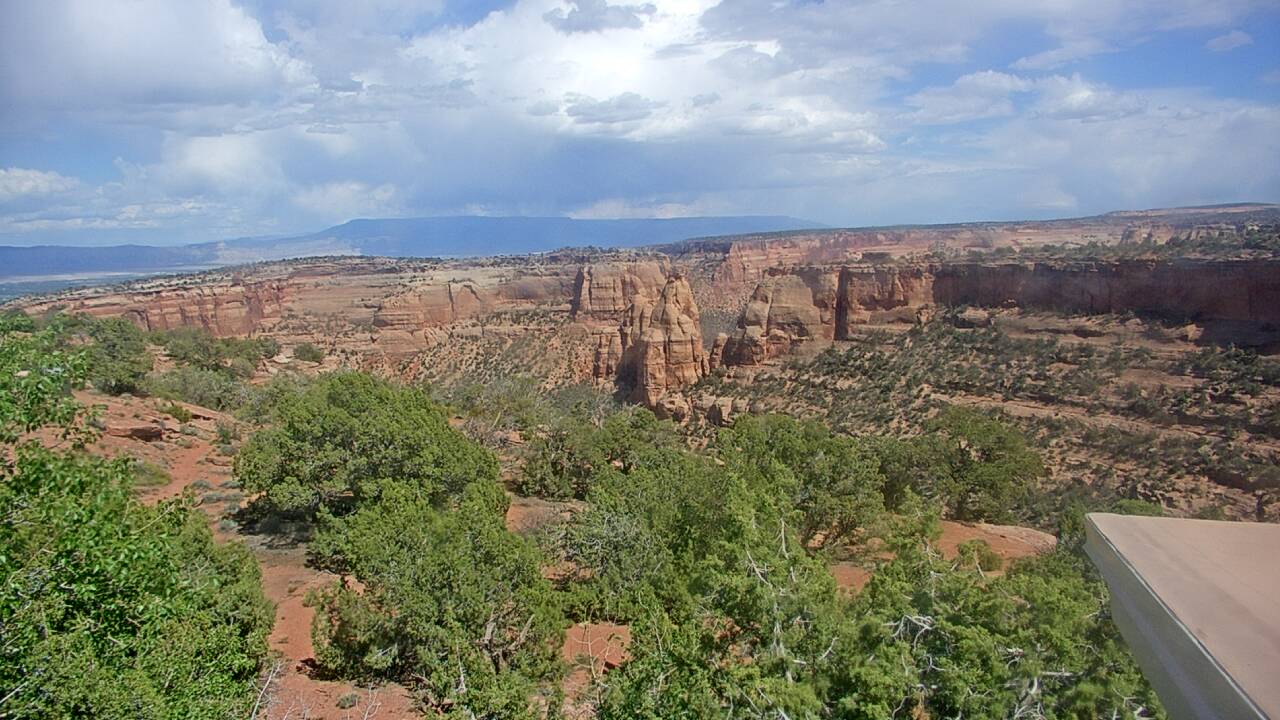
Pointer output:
431, 305
1244, 291
870, 293
783, 312
656, 349
668, 344
605, 290
1235, 299
228, 308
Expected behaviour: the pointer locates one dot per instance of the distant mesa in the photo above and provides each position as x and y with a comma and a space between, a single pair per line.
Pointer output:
396, 237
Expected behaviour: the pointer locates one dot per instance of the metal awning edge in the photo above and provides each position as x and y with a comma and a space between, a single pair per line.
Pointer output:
1190, 682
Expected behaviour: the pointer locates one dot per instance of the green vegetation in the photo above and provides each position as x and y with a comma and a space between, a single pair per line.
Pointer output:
565, 457
211, 372
450, 603
308, 352
149, 474
453, 604
199, 349
978, 553
336, 442
715, 552
982, 467
177, 412
896, 383
118, 356
733, 612
109, 608
834, 483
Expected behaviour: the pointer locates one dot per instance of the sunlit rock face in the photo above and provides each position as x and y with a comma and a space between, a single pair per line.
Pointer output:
785, 310
669, 354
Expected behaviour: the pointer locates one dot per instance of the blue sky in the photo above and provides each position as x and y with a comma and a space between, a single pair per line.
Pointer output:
163, 122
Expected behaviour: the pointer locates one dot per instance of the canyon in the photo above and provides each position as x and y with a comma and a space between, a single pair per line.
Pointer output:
697, 331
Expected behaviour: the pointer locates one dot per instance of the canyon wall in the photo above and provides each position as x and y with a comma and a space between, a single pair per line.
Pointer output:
640, 316
1235, 300
1245, 291
226, 309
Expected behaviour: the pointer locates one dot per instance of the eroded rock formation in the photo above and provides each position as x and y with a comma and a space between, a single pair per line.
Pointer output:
604, 290
669, 351
1235, 298
783, 312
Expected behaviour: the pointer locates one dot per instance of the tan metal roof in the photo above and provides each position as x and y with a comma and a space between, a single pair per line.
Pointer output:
1220, 583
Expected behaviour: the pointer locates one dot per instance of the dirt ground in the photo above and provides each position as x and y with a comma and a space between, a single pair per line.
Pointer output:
1010, 542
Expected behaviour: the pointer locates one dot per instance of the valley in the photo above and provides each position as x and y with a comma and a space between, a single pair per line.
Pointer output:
543, 484
1099, 336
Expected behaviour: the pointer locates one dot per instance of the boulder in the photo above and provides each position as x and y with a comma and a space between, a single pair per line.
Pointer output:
721, 412
971, 318
147, 432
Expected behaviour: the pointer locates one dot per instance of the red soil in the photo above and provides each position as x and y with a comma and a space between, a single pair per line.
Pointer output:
1010, 542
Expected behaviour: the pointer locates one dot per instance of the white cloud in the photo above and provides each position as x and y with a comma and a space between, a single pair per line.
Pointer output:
1073, 98
1069, 52
597, 16
23, 182
152, 53
1229, 41
971, 97
627, 208
622, 108
262, 115
340, 201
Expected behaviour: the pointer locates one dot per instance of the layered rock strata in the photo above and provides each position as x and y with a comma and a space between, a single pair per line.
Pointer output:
1237, 300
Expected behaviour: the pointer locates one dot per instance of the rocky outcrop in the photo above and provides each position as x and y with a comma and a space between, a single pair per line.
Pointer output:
432, 305
603, 291
1233, 300
716, 357
1236, 291
783, 312
872, 293
147, 432
662, 347
226, 309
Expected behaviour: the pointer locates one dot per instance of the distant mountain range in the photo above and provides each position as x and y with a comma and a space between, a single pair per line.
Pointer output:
400, 237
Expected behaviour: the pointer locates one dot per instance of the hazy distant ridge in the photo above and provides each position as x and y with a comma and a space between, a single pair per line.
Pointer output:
403, 237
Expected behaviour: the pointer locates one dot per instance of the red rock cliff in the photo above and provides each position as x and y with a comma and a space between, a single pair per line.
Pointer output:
1233, 298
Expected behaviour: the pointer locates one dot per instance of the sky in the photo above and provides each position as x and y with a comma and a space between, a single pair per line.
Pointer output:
165, 122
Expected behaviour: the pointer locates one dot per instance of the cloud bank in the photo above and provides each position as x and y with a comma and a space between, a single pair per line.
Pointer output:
166, 122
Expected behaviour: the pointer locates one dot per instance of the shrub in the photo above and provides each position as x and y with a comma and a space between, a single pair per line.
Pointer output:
110, 608
1137, 507
978, 553
149, 474
177, 412
307, 352
206, 388
334, 443
227, 433
453, 605
987, 468
834, 483
563, 461
118, 356
197, 348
